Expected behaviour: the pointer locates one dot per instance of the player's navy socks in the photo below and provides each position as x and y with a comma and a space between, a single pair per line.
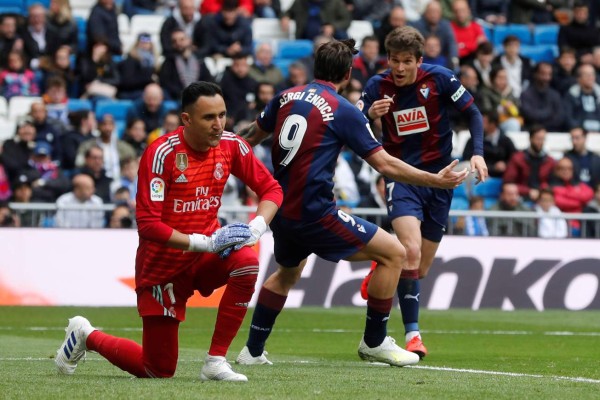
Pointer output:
378, 314
409, 288
267, 309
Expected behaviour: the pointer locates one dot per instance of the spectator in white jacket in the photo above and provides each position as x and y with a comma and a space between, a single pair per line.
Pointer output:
549, 226
82, 196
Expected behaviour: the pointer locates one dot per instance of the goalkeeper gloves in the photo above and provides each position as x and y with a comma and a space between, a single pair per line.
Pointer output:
257, 226
227, 236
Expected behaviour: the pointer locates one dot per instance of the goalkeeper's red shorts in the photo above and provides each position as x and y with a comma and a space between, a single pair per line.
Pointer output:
207, 274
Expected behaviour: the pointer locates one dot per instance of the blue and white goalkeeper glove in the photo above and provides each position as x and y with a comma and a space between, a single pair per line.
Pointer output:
227, 236
257, 226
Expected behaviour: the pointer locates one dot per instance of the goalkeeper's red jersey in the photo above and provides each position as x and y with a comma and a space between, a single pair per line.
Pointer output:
179, 188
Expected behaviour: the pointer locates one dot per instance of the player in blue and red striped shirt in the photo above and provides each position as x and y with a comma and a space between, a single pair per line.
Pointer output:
412, 100
311, 124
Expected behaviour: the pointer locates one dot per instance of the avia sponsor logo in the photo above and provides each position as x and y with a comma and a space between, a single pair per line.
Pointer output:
181, 206
478, 280
411, 121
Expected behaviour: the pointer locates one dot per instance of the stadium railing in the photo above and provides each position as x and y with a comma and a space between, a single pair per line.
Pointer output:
44, 213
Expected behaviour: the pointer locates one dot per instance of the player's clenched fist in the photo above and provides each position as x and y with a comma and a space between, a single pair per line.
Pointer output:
224, 237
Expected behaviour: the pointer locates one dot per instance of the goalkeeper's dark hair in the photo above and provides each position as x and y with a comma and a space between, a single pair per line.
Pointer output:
333, 60
194, 90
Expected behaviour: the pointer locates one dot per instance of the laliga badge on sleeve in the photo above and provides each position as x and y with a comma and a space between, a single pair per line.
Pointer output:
157, 189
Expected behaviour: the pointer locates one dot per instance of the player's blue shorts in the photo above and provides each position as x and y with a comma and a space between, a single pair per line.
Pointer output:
431, 206
334, 237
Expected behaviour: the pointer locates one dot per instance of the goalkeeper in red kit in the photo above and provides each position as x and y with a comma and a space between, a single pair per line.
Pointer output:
182, 248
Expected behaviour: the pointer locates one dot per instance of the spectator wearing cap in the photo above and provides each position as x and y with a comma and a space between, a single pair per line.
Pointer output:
47, 179
48, 129
137, 70
230, 33
102, 27
82, 195
238, 89
150, 108
17, 151
114, 148
184, 17
181, 67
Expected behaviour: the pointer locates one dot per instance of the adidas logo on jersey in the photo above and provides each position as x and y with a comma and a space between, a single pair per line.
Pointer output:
181, 179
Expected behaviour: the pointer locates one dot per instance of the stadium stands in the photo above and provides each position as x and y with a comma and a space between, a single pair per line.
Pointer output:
521, 31
79, 104
270, 28
7, 129
545, 34
20, 106
294, 49
359, 29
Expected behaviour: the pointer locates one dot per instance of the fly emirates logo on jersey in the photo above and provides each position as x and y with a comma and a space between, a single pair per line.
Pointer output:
410, 121
203, 202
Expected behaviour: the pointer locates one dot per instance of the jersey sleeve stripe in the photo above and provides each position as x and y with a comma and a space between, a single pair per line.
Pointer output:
243, 147
161, 153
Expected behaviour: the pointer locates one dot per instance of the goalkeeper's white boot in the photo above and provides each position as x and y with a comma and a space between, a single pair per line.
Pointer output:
73, 348
245, 358
387, 352
216, 368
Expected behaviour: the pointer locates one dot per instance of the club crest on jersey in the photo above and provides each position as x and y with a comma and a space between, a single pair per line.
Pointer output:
157, 189
360, 105
424, 91
219, 173
411, 121
181, 161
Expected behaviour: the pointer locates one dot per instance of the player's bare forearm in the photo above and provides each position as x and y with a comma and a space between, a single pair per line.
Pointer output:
267, 209
400, 171
253, 134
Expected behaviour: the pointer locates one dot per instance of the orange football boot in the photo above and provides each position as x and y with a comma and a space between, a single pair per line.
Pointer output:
415, 345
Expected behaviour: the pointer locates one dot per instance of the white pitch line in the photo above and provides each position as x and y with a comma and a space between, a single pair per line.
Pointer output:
317, 330
517, 374
431, 368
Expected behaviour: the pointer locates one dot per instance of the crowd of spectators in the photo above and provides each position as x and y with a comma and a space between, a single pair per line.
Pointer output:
55, 148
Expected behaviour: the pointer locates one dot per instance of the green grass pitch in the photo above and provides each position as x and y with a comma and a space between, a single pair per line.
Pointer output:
473, 355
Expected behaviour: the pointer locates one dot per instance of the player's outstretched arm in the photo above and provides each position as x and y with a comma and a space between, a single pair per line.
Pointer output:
400, 171
253, 134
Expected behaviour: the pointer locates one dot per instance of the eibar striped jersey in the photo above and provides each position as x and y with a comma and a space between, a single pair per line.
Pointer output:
180, 188
418, 129
311, 124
